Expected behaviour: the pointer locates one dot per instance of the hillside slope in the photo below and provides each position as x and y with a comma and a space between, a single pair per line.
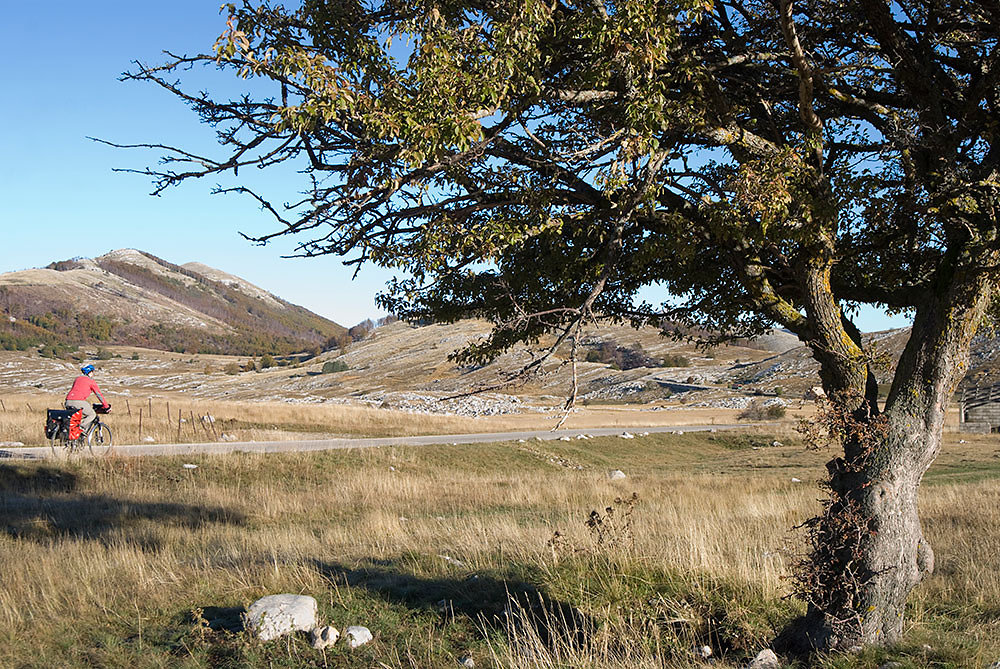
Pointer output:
133, 298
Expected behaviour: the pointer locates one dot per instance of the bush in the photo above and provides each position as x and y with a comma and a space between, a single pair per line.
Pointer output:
266, 361
103, 354
232, 369
135, 356
675, 360
759, 411
333, 366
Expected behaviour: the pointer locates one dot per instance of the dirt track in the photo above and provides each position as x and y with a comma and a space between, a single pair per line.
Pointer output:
35, 453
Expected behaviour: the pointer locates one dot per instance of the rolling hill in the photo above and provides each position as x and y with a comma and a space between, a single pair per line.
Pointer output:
133, 298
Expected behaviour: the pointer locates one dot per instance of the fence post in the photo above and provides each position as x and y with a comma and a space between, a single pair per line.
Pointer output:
129, 407
140, 423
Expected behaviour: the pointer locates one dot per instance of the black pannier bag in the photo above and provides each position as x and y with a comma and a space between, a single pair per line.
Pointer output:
57, 418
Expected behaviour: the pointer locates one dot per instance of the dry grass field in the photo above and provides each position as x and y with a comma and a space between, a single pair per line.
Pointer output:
481, 550
180, 419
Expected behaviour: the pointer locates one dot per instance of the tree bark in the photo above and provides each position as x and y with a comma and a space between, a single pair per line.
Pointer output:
868, 548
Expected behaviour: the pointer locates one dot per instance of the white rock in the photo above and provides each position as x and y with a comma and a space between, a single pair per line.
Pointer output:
467, 662
149, 440
357, 635
627, 435
565, 438
776, 443
616, 475
209, 418
795, 480
188, 465
451, 560
581, 436
704, 652
520, 441
679, 432
323, 637
276, 615
766, 659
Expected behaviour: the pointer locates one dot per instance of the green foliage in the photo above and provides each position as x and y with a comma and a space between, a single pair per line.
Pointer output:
266, 361
135, 356
332, 366
232, 368
103, 354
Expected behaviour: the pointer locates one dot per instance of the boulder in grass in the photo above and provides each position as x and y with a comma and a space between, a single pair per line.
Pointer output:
616, 475
276, 615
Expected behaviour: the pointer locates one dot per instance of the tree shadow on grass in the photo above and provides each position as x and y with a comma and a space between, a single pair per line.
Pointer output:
42, 504
512, 606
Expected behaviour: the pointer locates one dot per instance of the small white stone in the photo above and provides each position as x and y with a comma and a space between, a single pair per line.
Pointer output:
467, 662
323, 637
766, 659
679, 432
565, 438
704, 652
148, 440
776, 443
188, 465
627, 435
357, 635
795, 480
616, 475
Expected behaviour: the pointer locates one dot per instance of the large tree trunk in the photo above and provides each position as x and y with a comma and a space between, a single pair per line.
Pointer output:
868, 550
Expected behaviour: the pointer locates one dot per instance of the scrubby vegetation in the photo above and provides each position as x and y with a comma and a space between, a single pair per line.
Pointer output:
630, 357
332, 366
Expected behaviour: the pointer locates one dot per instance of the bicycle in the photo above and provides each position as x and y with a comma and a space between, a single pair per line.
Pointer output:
97, 437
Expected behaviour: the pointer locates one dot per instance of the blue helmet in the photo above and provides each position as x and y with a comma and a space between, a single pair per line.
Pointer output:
87, 369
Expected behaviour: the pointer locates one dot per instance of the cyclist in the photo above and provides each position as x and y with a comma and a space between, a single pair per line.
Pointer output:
78, 395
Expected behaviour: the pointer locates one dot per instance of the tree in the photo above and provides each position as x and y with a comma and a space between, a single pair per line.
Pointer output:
536, 163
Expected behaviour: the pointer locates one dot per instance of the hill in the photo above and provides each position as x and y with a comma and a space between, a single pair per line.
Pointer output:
129, 297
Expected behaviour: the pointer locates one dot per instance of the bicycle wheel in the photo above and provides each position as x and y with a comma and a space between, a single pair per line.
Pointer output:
99, 440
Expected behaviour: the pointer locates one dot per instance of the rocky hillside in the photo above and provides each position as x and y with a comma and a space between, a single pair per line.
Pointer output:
133, 298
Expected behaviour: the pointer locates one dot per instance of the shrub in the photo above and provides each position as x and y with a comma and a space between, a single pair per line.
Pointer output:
135, 356
675, 360
103, 354
759, 411
266, 361
332, 366
232, 369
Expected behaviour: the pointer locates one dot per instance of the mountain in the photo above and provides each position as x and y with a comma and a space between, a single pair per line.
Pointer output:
134, 298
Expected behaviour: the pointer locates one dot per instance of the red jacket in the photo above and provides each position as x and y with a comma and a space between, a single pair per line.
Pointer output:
82, 387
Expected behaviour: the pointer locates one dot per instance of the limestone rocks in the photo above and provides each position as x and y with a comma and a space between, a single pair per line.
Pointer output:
276, 615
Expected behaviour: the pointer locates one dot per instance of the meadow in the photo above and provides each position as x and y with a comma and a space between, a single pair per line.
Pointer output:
178, 419
516, 554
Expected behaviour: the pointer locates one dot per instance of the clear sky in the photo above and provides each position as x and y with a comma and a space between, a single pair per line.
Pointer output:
59, 68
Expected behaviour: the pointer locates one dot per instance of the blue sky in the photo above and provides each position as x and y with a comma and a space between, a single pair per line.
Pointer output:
59, 68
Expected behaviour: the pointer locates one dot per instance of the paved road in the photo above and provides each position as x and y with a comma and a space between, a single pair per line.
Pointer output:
331, 444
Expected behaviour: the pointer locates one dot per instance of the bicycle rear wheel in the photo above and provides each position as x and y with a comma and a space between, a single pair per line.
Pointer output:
99, 440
